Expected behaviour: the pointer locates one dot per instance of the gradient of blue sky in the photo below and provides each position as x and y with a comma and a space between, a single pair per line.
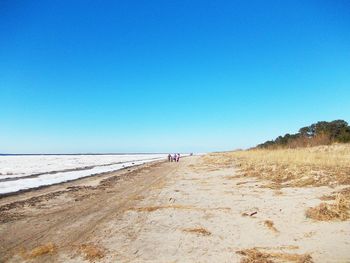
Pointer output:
158, 76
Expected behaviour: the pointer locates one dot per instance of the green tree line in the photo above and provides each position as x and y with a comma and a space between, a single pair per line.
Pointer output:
320, 133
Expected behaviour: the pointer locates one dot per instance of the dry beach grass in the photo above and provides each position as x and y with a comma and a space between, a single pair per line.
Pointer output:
255, 255
38, 251
339, 210
314, 166
299, 167
92, 252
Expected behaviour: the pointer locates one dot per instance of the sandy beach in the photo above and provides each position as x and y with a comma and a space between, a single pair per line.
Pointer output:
168, 212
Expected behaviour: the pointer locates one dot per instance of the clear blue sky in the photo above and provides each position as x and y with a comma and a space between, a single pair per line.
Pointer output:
159, 76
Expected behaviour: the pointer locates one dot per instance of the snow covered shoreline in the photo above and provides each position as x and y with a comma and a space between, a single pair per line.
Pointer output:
19, 173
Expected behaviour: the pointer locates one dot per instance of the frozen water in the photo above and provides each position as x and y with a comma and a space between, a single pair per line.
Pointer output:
25, 172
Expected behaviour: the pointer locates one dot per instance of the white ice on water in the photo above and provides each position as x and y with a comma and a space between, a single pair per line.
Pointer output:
15, 169
24, 165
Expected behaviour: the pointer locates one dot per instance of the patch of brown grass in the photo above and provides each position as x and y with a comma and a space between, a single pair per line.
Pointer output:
345, 192
327, 212
198, 230
254, 255
38, 251
92, 252
270, 225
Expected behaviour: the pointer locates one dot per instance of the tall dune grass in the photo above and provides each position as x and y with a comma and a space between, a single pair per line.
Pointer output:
337, 155
320, 165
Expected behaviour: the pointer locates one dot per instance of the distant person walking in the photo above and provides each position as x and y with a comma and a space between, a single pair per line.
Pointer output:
169, 158
178, 157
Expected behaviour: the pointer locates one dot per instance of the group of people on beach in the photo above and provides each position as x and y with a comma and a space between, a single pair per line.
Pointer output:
174, 158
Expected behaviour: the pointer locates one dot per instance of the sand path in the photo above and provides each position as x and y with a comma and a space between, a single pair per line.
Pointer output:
166, 212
